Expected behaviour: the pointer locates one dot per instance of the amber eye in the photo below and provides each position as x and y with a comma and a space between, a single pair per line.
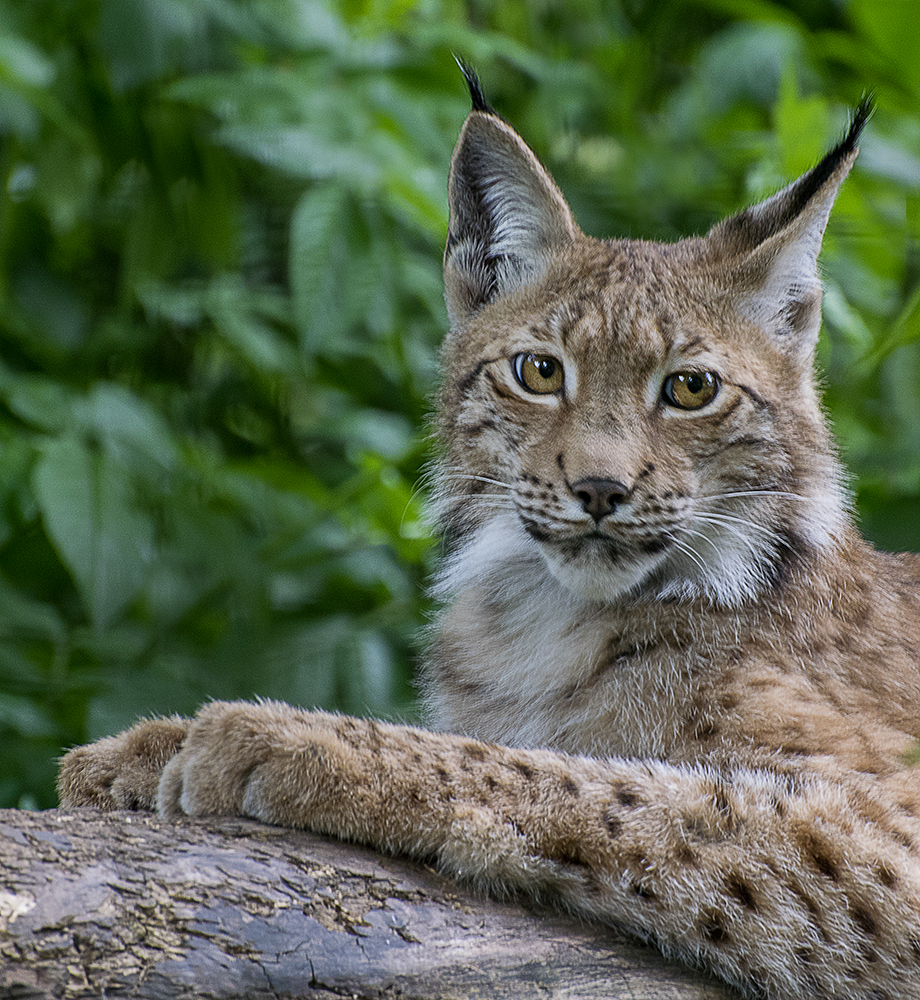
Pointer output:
537, 372
690, 390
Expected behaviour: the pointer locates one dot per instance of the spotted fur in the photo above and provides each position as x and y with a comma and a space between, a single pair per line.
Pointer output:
671, 687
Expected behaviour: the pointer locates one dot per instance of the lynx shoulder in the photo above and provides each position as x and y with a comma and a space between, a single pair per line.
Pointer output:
671, 687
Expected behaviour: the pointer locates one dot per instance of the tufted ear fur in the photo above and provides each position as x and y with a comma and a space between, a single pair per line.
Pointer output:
770, 251
506, 214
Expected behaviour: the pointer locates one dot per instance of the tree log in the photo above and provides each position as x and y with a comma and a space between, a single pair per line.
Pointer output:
128, 905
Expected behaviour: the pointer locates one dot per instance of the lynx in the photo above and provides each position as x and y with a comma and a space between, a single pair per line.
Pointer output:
671, 687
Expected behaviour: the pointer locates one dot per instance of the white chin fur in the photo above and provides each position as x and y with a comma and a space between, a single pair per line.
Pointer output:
726, 569
595, 580
503, 554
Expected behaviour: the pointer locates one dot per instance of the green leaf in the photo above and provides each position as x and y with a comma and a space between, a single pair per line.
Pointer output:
316, 262
233, 308
22, 716
22, 63
38, 400
132, 430
801, 126
89, 510
23, 616
892, 26
905, 329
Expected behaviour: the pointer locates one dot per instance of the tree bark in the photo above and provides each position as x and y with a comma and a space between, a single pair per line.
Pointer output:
125, 904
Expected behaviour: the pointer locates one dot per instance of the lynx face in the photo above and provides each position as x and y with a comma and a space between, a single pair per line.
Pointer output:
640, 417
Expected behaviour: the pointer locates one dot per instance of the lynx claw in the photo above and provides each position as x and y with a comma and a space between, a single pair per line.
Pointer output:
121, 772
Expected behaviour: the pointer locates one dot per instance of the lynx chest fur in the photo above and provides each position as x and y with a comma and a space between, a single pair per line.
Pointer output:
671, 686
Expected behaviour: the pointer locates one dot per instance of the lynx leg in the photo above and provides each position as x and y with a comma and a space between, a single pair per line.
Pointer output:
786, 885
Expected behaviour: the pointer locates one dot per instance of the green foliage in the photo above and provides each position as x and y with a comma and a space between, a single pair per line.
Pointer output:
220, 234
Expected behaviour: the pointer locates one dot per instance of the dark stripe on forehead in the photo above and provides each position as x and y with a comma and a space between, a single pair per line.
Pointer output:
569, 317
612, 328
664, 321
557, 322
640, 267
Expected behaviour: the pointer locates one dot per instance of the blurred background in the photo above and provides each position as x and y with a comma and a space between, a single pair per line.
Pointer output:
221, 225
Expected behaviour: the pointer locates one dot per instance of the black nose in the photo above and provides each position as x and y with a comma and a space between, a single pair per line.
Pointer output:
600, 497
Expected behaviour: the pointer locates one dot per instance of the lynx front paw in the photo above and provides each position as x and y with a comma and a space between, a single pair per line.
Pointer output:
226, 744
277, 764
121, 772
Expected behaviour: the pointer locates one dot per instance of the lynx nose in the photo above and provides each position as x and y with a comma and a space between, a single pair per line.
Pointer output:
600, 497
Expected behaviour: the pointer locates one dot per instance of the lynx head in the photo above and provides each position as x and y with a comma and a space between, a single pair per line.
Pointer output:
631, 417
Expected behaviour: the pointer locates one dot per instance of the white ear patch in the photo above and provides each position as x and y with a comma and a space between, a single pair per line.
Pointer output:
507, 216
782, 290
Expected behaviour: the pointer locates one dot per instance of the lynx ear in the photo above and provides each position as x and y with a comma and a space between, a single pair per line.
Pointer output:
770, 251
506, 213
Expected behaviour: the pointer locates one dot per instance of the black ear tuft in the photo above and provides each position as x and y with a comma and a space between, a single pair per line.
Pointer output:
755, 225
819, 174
861, 115
508, 219
770, 250
472, 81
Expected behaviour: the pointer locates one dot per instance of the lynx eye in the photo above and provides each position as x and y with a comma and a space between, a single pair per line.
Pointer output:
537, 372
690, 390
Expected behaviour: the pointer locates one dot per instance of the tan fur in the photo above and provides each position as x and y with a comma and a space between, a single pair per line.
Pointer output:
677, 595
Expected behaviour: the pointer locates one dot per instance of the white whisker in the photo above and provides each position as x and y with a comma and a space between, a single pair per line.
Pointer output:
781, 494
691, 554
422, 484
749, 543
712, 517
475, 478
491, 503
